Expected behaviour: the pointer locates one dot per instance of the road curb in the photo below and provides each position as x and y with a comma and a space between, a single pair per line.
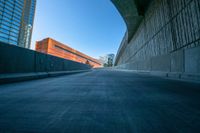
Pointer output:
18, 77
169, 75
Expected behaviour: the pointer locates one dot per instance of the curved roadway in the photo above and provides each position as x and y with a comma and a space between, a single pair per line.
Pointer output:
101, 101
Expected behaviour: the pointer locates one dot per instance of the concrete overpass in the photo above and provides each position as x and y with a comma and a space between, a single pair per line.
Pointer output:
163, 37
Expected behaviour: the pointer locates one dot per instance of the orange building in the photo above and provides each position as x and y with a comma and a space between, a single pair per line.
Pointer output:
50, 46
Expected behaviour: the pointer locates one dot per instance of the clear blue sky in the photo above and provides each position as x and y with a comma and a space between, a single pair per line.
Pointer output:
93, 27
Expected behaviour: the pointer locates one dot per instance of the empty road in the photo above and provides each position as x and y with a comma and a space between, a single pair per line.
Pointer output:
100, 101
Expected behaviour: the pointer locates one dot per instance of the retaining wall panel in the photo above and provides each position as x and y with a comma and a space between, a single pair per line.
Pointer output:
40, 62
192, 60
177, 61
15, 59
161, 63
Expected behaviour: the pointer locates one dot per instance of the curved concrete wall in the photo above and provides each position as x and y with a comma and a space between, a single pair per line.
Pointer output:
167, 39
14, 59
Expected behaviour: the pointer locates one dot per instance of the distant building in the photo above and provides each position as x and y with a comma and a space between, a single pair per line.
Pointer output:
16, 21
107, 60
53, 47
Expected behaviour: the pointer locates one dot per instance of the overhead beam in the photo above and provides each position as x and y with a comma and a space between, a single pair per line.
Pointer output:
132, 12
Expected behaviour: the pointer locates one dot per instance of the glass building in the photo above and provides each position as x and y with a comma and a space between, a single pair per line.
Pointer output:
16, 21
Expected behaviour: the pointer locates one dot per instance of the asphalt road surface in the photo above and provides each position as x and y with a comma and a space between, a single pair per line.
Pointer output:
101, 101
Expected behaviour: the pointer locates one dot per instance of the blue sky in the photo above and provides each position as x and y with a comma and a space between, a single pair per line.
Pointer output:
93, 27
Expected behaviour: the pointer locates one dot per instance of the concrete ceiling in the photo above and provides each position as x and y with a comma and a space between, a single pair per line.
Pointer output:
132, 12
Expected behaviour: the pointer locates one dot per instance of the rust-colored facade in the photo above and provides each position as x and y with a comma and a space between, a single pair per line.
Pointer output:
53, 47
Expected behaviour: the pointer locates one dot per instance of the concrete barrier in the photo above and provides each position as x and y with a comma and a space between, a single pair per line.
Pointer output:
182, 64
15, 60
17, 77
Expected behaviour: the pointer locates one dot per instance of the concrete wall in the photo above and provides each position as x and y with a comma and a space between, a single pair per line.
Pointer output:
167, 40
15, 59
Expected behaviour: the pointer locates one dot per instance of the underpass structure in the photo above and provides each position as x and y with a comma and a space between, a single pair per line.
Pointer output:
163, 37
